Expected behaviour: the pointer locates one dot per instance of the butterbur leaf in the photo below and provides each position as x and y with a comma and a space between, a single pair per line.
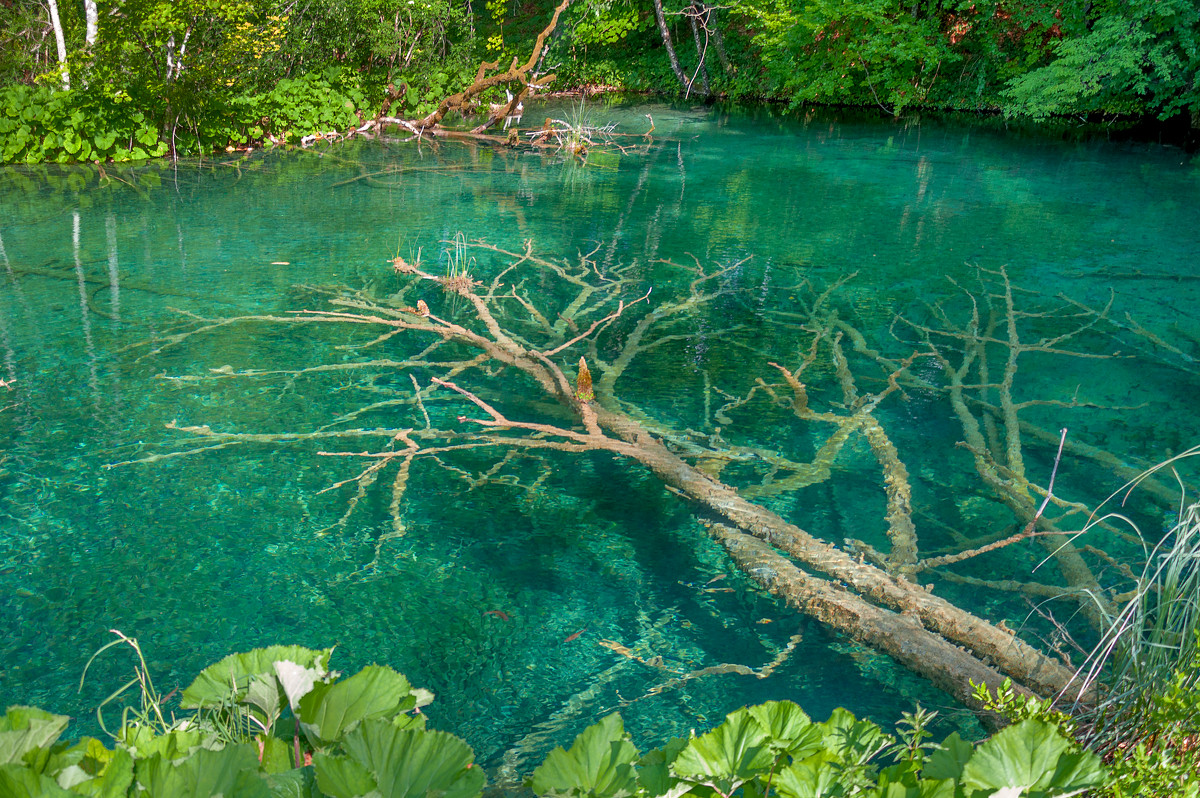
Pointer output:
789, 730
924, 788
17, 781
901, 781
232, 771
330, 710
410, 763
172, 746
421, 696
948, 761
24, 729
342, 777
654, 769
409, 720
229, 678
934, 788
88, 768
297, 680
812, 778
263, 693
294, 783
728, 755
274, 754
1031, 757
1076, 771
599, 764
852, 741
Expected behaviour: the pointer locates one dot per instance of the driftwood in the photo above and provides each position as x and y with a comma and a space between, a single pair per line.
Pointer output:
517, 79
505, 329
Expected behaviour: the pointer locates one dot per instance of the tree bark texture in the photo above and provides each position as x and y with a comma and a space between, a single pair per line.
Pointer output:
89, 8
901, 636
60, 42
665, 32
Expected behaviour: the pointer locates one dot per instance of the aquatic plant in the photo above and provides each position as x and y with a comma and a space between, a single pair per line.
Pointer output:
1145, 670
1142, 710
457, 277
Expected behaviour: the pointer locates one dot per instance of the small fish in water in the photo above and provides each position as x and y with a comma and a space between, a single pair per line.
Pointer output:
501, 614
764, 620
716, 578
575, 636
280, 263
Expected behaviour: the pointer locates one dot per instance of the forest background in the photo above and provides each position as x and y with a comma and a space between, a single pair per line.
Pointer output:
91, 80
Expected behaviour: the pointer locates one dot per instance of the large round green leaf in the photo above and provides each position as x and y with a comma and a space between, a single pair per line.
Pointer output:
789, 730
599, 764
23, 729
1031, 758
412, 763
330, 710
21, 782
232, 771
231, 677
728, 755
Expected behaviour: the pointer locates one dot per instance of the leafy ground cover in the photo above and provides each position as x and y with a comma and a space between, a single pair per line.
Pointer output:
278, 722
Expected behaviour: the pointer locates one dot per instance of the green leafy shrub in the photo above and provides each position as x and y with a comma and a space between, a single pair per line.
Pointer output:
1143, 676
297, 107
39, 124
776, 747
277, 722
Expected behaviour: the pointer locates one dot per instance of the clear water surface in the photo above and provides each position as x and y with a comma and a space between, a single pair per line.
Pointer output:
482, 599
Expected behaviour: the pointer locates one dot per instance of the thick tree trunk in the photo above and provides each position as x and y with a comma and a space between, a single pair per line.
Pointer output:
901, 636
1004, 650
666, 37
61, 42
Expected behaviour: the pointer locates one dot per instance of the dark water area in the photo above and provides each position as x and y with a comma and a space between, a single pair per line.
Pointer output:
106, 524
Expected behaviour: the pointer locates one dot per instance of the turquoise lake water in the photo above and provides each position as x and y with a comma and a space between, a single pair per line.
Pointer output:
224, 550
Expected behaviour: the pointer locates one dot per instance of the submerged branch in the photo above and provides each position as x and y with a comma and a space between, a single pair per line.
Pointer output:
609, 323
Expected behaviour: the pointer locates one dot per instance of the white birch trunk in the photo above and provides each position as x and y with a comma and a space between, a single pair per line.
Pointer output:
56, 23
89, 7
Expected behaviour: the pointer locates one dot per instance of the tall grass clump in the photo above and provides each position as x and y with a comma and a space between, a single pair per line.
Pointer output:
1144, 674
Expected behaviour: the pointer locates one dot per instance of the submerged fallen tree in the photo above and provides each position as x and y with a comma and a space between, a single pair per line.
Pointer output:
510, 339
